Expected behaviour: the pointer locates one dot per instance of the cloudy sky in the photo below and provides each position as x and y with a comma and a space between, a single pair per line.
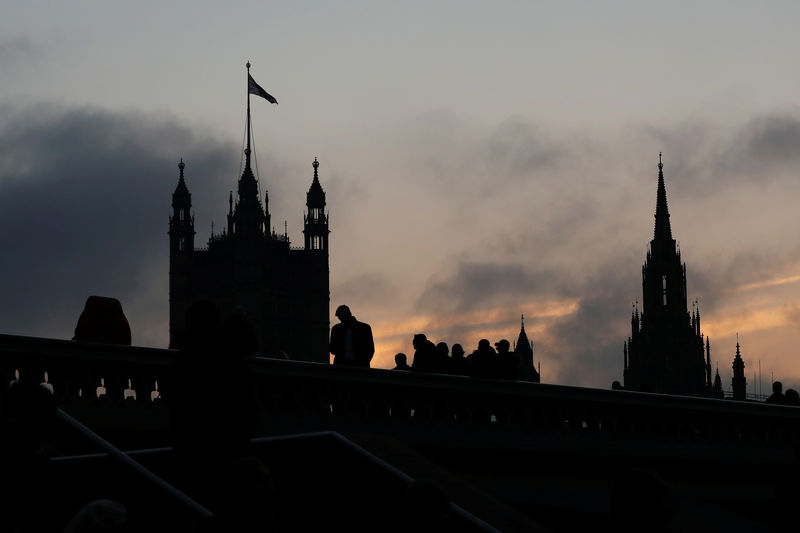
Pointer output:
482, 160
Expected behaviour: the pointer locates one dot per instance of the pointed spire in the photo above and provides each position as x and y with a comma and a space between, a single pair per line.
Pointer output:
181, 191
315, 197
524, 346
663, 231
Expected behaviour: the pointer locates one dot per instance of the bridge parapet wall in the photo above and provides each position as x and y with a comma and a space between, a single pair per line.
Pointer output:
299, 396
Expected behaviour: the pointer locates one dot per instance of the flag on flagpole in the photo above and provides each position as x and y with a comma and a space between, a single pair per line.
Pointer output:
254, 88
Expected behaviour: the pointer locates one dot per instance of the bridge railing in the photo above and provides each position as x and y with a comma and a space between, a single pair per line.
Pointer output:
298, 396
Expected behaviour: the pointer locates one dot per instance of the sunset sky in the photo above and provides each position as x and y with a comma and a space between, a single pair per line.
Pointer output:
481, 160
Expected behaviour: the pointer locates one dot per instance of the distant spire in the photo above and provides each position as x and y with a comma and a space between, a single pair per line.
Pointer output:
181, 191
316, 195
663, 231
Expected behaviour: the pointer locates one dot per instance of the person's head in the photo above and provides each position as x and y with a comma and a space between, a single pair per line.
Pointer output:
483, 344
419, 341
442, 348
777, 387
457, 350
343, 313
792, 397
502, 345
400, 359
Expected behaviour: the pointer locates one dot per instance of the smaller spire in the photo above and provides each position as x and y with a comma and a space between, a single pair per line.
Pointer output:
522, 320
181, 191
315, 164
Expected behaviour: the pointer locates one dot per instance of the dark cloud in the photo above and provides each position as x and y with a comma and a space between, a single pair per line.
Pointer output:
15, 51
771, 141
84, 203
479, 285
586, 346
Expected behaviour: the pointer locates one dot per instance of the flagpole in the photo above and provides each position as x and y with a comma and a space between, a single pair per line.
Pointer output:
247, 150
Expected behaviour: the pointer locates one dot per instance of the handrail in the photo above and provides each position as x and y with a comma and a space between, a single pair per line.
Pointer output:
118, 454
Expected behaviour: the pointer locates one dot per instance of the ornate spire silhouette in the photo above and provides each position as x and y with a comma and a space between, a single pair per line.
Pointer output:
315, 196
663, 231
248, 217
181, 190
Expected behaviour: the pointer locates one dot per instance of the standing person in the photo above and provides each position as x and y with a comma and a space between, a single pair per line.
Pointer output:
508, 361
351, 340
777, 396
401, 361
425, 355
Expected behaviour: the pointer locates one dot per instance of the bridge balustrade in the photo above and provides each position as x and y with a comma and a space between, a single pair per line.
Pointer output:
299, 396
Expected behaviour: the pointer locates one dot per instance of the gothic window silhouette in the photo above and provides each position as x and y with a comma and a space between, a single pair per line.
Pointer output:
664, 288
181, 244
180, 214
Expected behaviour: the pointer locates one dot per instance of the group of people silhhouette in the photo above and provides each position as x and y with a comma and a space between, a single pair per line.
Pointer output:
778, 397
498, 362
352, 345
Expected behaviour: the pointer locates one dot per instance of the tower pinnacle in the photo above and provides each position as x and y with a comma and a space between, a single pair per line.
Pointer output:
663, 231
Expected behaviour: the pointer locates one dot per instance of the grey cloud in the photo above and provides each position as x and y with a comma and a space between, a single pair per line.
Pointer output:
479, 285
452, 153
363, 290
588, 343
84, 204
14, 51
769, 141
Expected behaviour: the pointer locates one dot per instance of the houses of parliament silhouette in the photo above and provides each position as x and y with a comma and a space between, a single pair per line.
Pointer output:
284, 291
666, 352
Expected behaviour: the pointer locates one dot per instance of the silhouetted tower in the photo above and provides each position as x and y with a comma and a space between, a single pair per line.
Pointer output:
284, 291
524, 350
739, 381
181, 246
316, 221
665, 349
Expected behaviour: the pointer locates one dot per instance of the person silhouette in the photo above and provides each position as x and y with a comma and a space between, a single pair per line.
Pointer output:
777, 396
401, 362
425, 354
508, 361
351, 341
483, 362
458, 363
212, 400
792, 397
